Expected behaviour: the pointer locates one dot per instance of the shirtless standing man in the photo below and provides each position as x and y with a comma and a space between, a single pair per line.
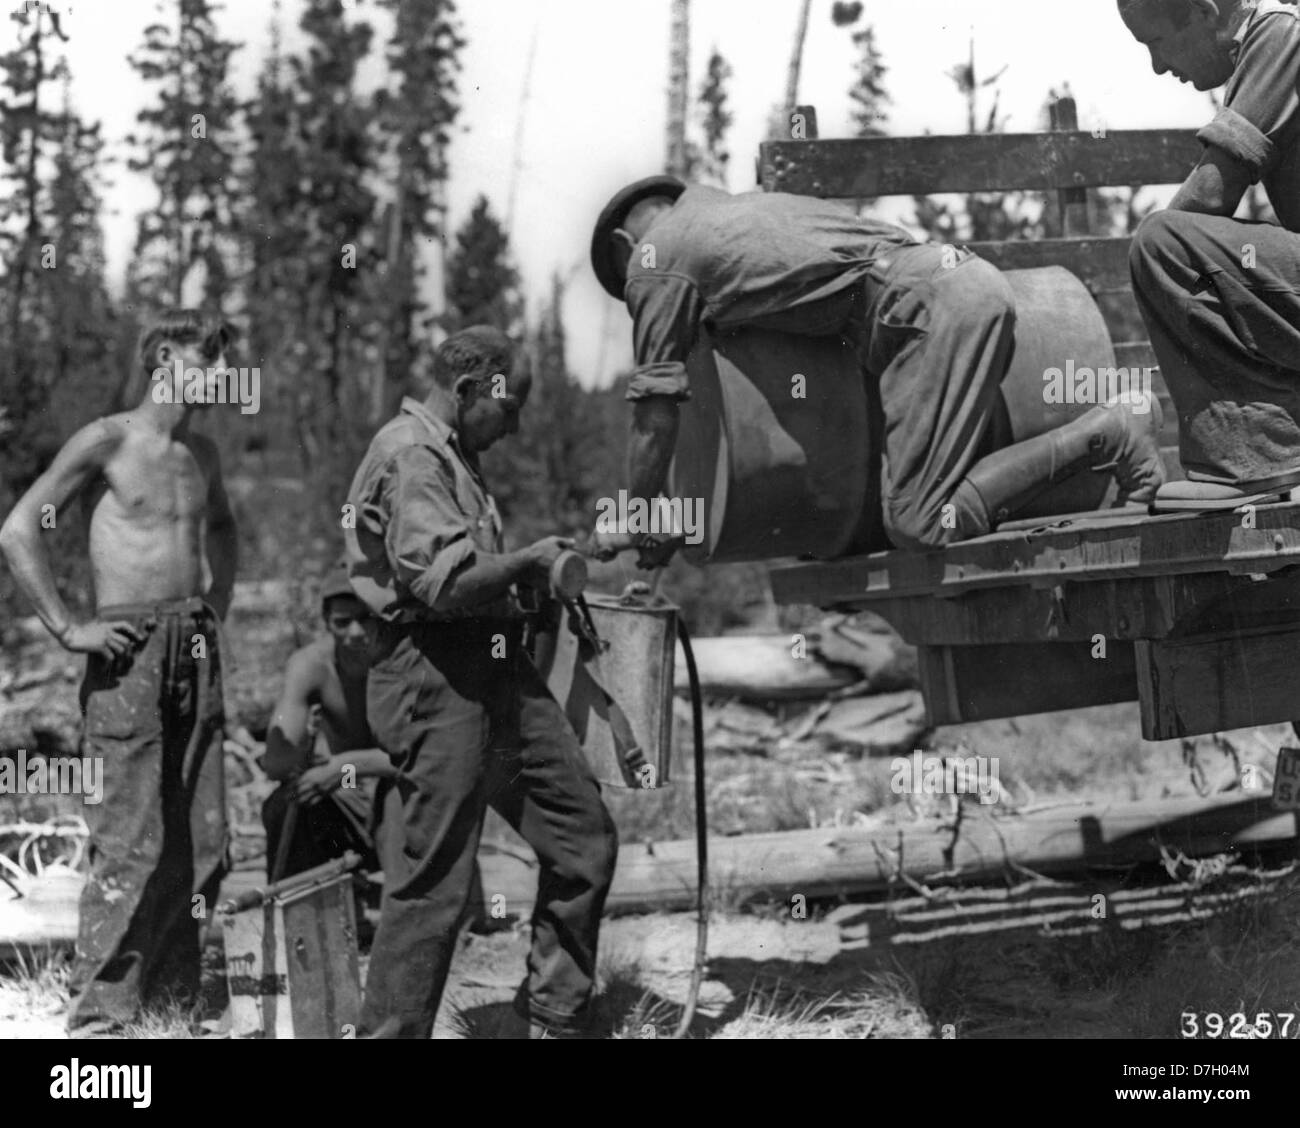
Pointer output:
152, 493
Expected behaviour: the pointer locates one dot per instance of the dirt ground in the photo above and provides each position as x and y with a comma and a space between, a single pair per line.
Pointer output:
772, 976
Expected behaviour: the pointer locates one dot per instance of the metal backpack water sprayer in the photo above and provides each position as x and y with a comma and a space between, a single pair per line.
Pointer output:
608, 660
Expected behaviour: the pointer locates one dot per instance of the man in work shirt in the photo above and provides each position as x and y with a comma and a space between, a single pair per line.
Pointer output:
934, 328
1221, 297
460, 709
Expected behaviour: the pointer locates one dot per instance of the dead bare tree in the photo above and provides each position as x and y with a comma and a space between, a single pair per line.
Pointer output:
679, 50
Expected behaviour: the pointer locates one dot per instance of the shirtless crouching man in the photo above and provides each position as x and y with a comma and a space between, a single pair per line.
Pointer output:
322, 770
151, 699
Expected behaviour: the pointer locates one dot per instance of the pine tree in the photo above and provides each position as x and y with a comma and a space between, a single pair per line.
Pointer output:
991, 217
415, 119
28, 130
868, 92
188, 147
715, 120
56, 313
339, 302
571, 442
78, 314
482, 283
55, 317
274, 224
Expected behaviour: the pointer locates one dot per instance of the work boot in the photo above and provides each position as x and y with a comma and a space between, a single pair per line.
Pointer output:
1113, 437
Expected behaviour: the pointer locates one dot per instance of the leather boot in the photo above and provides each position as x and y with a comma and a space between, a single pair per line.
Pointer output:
1111, 437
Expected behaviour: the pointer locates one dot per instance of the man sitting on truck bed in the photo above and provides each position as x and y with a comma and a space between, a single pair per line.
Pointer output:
934, 328
1221, 297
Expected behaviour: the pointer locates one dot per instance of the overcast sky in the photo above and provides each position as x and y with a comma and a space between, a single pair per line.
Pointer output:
594, 115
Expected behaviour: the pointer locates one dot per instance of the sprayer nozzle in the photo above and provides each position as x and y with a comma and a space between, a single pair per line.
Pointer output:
568, 575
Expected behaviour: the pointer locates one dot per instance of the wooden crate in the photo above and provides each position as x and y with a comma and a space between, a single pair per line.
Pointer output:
291, 956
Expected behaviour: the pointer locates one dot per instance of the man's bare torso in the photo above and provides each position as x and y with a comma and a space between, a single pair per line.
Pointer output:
341, 695
146, 515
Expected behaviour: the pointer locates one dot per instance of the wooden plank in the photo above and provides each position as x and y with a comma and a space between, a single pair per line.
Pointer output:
809, 114
1081, 547
980, 683
1073, 202
1188, 687
1128, 609
1244, 605
1136, 354
892, 166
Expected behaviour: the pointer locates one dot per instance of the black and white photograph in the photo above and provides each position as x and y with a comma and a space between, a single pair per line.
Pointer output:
651, 520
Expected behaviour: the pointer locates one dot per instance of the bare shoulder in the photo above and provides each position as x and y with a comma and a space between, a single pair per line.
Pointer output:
99, 440
309, 666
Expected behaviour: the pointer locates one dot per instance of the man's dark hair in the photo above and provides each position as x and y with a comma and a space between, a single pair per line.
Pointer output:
480, 351
1176, 12
186, 327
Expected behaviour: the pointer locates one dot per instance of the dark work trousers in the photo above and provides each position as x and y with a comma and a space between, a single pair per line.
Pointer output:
158, 839
1221, 299
469, 722
936, 341
322, 831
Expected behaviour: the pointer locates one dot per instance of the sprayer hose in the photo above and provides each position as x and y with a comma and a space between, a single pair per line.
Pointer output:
701, 837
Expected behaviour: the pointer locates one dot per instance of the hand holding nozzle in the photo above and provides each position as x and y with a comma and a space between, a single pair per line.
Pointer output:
557, 568
652, 552
568, 575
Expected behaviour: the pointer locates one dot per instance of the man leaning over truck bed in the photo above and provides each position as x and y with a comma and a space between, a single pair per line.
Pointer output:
935, 334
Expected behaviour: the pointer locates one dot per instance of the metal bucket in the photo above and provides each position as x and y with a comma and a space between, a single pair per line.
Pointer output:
781, 476
627, 678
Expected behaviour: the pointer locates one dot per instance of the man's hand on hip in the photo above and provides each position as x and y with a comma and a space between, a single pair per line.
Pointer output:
108, 639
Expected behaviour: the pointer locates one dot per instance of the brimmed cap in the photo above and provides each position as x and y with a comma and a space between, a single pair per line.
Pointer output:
336, 583
605, 260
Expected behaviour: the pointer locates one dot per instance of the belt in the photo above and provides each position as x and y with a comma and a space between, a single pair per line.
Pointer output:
415, 619
194, 605
490, 613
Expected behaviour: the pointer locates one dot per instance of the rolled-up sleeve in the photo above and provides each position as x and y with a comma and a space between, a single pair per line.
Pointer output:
666, 313
1261, 100
427, 536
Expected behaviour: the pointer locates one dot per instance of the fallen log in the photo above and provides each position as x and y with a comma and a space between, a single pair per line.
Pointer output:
841, 862
760, 668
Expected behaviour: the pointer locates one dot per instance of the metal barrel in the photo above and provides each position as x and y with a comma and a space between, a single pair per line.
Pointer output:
773, 474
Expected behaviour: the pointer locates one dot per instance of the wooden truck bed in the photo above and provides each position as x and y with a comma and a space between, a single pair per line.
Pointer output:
1195, 616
